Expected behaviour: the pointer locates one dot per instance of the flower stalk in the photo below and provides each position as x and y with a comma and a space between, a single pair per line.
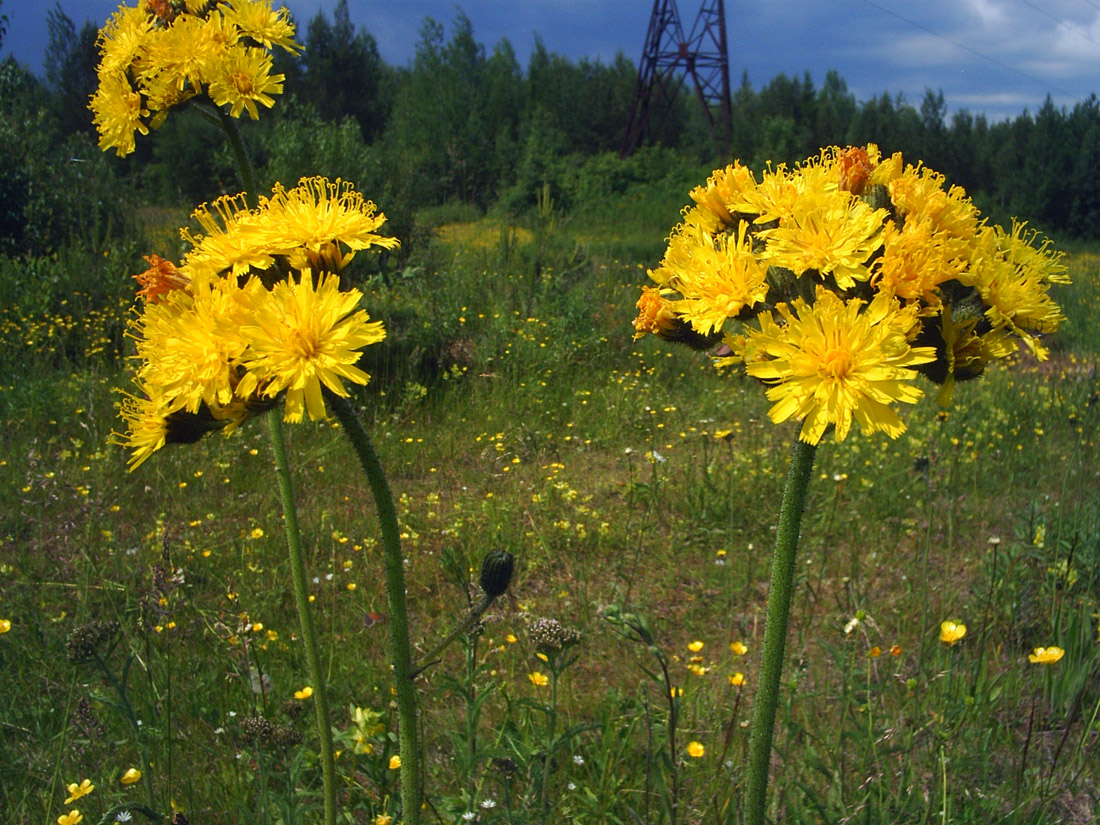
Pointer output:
305, 619
762, 732
399, 619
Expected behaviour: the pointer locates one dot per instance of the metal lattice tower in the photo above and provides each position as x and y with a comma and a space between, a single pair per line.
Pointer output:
668, 57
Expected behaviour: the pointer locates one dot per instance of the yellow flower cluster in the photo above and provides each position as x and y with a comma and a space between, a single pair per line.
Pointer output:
859, 272
253, 315
162, 53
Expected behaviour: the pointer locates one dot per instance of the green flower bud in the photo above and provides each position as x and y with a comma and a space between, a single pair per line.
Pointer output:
496, 572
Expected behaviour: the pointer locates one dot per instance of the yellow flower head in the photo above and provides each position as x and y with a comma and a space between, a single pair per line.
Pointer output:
131, 776
302, 337
736, 679
244, 79
695, 646
655, 314
5, 625
538, 679
395, 762
304, 693
831, 362
73, 817
951, 631
739, 648
1046, 655
696, 750
76, 791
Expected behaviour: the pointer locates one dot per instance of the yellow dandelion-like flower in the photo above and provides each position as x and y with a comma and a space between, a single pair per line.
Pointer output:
538, 679
718, 278
831, 362
244, 79
146, 424
318, 212
118, 111
696, 750
916, 260
131, 776
829, 234
725, 190
301, 338
122, 39
160, 278
256, 19
77, 791
235, 242
1046, 655
383, 819
655, 314
951, 631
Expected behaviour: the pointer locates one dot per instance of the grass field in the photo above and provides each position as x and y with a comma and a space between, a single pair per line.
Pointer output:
152, 626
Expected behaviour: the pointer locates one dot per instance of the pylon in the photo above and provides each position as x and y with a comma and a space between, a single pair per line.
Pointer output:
669, 56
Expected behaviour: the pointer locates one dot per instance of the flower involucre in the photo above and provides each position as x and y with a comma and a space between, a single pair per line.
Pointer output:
859, 272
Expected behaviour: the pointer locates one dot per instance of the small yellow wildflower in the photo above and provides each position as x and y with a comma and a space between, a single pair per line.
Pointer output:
73, 817
951, 631
5, 625
131, 776
895, 650
538, 679
739, 648
1046, 655
395, 762
77, 791
736, 679
383, 819
696, 750
304, 693
695, 646
874, 652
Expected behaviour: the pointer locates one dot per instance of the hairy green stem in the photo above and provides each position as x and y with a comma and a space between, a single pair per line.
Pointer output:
775, 631
305, 619
244, 165
399, 616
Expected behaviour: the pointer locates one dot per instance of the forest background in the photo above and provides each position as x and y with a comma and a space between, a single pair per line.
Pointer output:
466, 125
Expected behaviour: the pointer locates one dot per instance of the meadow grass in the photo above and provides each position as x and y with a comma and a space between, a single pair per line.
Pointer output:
638, 489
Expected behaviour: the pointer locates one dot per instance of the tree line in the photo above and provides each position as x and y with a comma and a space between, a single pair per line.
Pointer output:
463, 123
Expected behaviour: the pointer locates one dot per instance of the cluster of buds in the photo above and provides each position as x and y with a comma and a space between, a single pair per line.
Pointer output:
549, 636
837, 282
85, 641
267, 734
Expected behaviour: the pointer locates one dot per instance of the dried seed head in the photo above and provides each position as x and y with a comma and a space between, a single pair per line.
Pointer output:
87, 639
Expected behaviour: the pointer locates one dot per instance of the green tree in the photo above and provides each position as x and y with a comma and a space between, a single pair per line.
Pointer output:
69, 64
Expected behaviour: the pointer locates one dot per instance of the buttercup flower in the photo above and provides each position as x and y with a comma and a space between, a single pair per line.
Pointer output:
538, 679
736, 679
739, 648
73, 817
304, 693
76, 791
395, 762
695, 646
5, 625
696, 750
131, 776
951, 631
1046, 655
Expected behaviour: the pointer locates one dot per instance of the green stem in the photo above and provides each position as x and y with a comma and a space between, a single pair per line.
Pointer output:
305, 619
244, 165
775, 631
399, 616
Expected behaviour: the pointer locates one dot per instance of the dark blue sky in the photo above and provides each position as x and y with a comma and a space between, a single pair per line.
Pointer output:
992, 56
